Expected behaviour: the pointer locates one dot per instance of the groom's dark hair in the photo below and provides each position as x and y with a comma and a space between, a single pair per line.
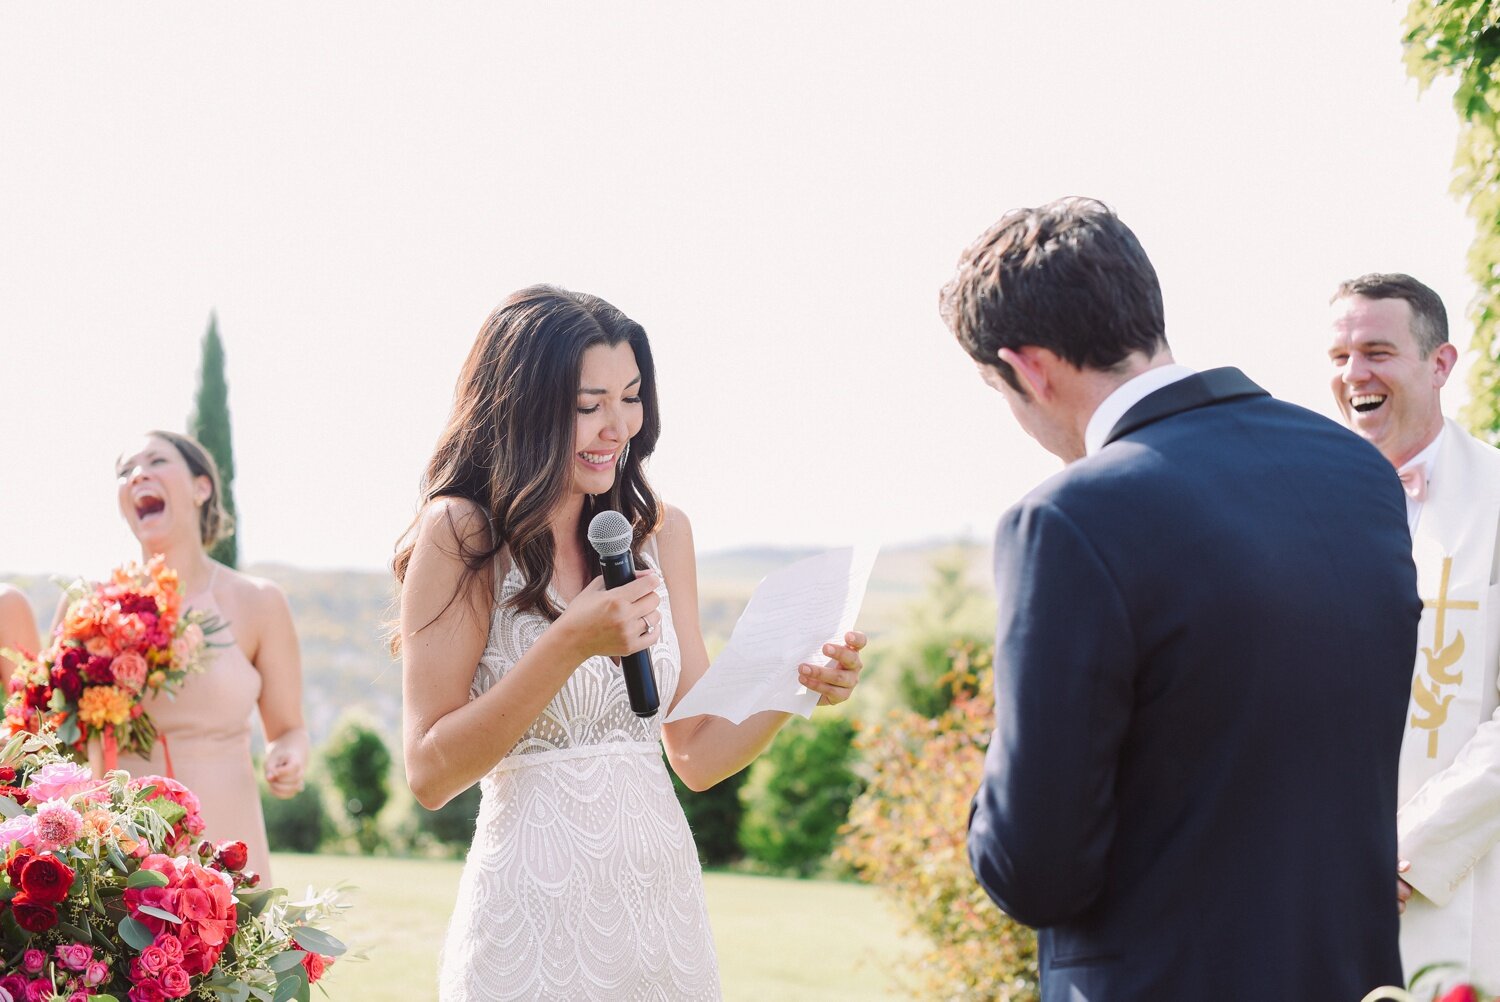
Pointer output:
1067, 276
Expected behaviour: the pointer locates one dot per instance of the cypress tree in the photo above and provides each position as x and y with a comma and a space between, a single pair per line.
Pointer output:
209, 424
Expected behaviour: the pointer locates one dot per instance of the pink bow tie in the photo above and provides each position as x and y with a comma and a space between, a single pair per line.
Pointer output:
1414, 482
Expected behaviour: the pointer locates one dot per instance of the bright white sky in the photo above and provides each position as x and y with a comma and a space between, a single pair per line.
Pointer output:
775, 190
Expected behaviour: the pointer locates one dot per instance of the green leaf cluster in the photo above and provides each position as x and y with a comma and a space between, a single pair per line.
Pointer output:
1461, 39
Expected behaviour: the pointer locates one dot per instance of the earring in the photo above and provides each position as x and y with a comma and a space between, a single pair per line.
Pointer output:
624, 453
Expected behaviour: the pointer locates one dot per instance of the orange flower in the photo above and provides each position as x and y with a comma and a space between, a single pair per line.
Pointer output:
81, 619
103, 704
99, 824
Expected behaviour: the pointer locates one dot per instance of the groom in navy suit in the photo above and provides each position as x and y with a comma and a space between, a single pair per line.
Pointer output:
1207, 622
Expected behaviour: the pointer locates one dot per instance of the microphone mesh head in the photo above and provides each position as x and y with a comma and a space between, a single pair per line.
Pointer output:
609, 533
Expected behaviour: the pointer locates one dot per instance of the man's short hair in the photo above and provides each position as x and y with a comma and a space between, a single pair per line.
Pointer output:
1067, 276
1429, 320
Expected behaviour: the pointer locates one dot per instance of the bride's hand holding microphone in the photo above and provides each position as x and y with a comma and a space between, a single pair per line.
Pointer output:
613, 621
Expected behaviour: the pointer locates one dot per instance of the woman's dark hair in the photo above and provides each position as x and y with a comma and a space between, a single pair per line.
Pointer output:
214, 521
508, 446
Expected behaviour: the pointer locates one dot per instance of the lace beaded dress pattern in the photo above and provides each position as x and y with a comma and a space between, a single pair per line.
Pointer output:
583, 880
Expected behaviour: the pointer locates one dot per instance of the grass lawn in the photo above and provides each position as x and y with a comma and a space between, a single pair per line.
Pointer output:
791, 940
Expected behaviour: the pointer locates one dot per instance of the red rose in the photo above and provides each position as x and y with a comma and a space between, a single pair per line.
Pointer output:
314, 964
69, 681
16, 863
46, 879
231, 855
73, 658
98, 671
7, 773
1463, 993
175, 983
33, 916
38, 696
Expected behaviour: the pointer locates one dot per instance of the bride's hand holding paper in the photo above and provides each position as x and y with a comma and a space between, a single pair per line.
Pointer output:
769, 662
835, 680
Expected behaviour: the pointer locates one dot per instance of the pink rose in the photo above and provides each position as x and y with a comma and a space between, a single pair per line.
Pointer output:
64, 781
169, 945
32, 961
39, 990
147, 991
95, 974
152, 961
175, 982
130, 671
75, 956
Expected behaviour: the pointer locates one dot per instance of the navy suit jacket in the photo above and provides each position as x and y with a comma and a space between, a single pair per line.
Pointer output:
1202, 668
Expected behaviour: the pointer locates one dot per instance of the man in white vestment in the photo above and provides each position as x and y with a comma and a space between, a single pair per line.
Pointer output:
1392, 357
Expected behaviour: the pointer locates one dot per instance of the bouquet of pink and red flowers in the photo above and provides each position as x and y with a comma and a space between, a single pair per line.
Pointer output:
105, 896
118, 641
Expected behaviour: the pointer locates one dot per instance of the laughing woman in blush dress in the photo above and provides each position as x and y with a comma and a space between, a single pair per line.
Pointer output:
169, 494
583, 880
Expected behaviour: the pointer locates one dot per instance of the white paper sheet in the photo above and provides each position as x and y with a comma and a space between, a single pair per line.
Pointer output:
792, 614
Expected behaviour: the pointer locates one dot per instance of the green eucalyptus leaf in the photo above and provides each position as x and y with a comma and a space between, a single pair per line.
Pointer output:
147, 878
74, 932
289, 984
317, 941
160, 913
136, 933
286, 961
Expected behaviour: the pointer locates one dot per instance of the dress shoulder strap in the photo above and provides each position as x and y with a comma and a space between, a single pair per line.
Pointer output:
648, 550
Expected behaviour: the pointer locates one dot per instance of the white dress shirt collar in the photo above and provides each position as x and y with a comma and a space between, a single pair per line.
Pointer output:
1126, 396
1428, 458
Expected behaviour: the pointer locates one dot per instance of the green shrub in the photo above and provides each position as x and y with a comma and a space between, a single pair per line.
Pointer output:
359, 763
714, 817
298, 824
798, 795
908, 832
451, 825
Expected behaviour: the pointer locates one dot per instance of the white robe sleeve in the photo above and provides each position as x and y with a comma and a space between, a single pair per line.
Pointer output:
1454, 819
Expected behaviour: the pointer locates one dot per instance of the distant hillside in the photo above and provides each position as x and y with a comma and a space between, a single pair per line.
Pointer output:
341, 617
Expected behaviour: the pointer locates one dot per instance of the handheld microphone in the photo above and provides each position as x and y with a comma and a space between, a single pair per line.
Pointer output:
610, 536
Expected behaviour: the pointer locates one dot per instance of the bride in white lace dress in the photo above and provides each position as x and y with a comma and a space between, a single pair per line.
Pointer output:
583, 880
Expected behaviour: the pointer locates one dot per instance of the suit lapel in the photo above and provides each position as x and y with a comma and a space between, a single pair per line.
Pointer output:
1200, 390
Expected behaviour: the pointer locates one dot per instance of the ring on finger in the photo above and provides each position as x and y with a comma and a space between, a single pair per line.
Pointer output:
648, 627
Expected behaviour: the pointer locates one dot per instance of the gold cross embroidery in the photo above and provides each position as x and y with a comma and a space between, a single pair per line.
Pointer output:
1440, 657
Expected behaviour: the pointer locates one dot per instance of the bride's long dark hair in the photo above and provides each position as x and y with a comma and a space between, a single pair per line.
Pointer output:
508, 446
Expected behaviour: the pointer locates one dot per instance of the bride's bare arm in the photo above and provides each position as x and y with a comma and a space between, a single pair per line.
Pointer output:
17, 628
705, 750
450, 740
